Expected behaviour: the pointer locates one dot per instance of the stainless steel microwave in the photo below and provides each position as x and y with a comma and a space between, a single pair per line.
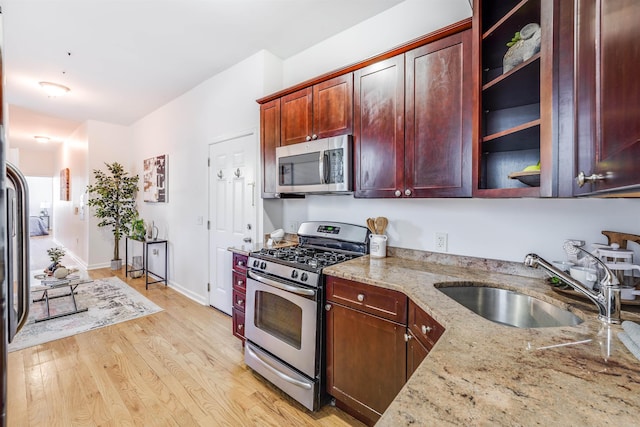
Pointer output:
320, 166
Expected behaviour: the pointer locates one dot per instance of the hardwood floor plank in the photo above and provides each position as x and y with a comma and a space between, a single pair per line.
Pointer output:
178, 367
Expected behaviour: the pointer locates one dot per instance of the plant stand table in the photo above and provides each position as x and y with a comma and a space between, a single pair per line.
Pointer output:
155, 277
48, 285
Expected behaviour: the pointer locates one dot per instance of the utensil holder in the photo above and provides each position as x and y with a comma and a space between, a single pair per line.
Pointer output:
378, 245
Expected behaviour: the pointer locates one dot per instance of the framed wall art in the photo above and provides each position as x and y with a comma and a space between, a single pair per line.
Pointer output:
65, 185
155, 179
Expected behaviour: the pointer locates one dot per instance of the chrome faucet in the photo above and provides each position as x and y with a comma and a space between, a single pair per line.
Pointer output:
608, 299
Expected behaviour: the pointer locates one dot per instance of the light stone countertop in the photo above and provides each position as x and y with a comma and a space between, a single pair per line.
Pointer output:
481, 373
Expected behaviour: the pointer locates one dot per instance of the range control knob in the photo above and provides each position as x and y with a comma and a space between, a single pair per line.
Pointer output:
304, 277
256, 263
263, 265
294, 274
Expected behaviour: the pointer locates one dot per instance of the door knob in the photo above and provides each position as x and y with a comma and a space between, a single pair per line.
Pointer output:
220, 174
398, 193
581, 179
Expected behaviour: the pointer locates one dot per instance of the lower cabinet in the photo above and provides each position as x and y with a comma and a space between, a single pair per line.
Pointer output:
366, 362
376, 338
239, 291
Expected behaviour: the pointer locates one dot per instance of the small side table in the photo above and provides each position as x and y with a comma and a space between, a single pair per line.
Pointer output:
157, 278
50, 284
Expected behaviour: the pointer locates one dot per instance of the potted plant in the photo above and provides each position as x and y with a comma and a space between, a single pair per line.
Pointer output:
138, 230
113, 196
55, 255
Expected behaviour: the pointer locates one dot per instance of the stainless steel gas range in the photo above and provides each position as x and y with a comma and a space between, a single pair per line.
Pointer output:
284, 323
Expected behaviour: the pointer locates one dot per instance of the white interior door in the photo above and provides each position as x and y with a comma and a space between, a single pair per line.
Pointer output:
232, 210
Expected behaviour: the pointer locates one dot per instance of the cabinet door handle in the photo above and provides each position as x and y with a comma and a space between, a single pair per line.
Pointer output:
360, 297
407, 192
398, 193
327, 307
241, 263
308, 138
408, 337
314, 136
240, 283
581, 179
240, 326
425, 329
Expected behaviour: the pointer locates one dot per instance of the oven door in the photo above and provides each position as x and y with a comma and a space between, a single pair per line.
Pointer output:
281, 318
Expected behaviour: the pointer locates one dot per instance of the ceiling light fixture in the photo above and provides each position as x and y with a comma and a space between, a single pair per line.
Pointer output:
41, 139
54, 89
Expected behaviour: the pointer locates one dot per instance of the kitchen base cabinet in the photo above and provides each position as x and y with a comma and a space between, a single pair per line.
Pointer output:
366, 348
376, 338
239, 292
366, 361
416, 352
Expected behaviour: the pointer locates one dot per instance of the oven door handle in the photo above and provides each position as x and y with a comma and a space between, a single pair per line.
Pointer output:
276, 372
284, 287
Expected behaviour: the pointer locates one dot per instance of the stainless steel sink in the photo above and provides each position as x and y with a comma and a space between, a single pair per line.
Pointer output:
509, 307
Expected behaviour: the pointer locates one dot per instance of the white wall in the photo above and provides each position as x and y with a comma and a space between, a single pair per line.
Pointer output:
499, 229
223, 105
34, 163
40, 191
107, 143
68, 229
505, 229
407, 21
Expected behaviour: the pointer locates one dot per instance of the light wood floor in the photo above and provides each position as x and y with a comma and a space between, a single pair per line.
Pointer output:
179, 367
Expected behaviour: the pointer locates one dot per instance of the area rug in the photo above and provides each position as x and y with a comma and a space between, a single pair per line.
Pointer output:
109, 301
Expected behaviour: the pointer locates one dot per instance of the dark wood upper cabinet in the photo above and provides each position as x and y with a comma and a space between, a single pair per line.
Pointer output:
320, 111
379, 128
607, 94
438, 118
269, 140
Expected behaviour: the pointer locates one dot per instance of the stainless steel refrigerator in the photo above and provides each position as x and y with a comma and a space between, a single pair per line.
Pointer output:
14, 271
14, 251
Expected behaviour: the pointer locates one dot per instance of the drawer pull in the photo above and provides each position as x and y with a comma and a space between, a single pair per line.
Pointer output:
240, 326
360, 297
240, 282
426, 329
241, 263
240, 302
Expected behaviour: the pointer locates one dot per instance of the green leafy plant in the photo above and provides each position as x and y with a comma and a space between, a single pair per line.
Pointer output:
55, 254
516, 38
138, 230
113, 196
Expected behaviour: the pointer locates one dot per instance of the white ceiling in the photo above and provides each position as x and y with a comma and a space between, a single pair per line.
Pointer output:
123, 59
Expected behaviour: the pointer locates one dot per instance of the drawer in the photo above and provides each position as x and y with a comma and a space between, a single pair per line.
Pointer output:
239, 281
240, 262
423, 326
385, 303
239, 300
238, 323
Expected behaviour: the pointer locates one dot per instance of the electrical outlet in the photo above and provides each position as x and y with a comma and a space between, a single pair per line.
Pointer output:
293, 227
441, 242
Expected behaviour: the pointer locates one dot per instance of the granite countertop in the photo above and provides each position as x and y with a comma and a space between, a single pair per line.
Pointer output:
484, 373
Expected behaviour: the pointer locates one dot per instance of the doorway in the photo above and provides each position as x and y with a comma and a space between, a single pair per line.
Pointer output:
232, 210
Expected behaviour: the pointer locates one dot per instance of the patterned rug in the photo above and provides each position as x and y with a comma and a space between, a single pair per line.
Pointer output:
109, 301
